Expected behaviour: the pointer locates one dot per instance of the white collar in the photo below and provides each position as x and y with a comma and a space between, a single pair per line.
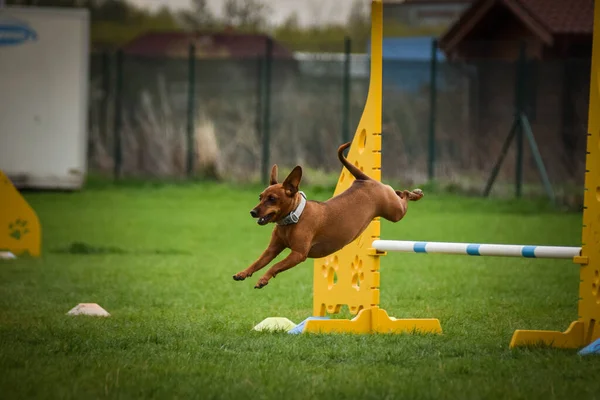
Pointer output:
294, 216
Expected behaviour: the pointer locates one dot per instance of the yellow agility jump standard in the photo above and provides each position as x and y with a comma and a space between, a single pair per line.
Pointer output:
20, 231
587, 327
351, 276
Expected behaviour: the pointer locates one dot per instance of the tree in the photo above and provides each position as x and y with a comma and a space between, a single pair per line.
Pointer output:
358, 24
246, 15
114, 11
200, 17
309, 38
116, 22
47, 3
359, 14
203, 13
291, 23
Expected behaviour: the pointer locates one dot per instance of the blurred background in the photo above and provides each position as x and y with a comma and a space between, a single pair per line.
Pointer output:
221, 89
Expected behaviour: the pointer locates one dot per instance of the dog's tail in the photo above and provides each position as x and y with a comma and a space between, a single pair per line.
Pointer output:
358, 174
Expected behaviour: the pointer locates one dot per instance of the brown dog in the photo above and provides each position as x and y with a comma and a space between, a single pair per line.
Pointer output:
313, 229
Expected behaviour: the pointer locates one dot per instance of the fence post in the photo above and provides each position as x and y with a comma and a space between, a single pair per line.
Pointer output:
519, 110
259, 99
346, 91
266, 116
106, 88
432, 111
118, 156
191, 108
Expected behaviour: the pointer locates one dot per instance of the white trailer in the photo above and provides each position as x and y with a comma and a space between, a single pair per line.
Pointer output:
44, 78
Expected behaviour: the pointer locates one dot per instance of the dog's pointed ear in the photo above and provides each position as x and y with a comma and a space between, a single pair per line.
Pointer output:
292, 181
273, 180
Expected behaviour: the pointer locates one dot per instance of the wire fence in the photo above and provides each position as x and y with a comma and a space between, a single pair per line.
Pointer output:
149, 121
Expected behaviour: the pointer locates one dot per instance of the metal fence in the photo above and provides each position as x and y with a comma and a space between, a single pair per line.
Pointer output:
175, 118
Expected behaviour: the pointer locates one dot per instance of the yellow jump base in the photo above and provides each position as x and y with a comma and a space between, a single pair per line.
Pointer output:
20, 231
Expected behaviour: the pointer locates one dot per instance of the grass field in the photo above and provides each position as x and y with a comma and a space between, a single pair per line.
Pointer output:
160, 260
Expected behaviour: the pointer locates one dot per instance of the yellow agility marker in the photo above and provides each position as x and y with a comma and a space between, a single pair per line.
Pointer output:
274, 324
351, 275
587, 327
20, 230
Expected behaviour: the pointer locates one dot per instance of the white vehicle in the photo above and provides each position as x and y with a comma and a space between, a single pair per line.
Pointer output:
44, 75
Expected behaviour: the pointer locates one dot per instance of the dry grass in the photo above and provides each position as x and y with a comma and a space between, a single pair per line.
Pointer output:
154, 141
306, 130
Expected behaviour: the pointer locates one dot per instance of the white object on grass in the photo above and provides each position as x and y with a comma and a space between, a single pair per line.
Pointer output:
89, 309
7, 255
275, 324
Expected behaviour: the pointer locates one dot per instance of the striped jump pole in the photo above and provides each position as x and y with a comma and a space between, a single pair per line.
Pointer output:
473, 249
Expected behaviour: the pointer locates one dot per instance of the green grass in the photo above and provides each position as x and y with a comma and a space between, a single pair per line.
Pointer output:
160, 259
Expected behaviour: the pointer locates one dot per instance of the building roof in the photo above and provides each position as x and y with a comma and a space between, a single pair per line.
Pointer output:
417, 48
561, 16
545, 18
413, 2
211, 45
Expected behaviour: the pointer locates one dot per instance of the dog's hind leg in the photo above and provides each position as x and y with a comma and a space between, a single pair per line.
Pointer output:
396, 205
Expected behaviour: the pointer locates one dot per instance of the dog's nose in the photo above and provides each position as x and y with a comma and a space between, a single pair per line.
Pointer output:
253, 213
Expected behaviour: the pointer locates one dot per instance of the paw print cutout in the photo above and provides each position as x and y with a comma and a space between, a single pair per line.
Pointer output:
362, 141
330, 271
357, 165
595, 231
357, 272
18, 229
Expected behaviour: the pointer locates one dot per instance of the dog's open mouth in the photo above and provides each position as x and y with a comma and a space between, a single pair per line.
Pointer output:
266, 219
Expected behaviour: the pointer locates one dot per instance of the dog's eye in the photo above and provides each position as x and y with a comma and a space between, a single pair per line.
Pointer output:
272, 199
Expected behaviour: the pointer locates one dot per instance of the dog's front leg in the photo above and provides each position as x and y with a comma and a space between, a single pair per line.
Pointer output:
276, 246
293, 259
414, 195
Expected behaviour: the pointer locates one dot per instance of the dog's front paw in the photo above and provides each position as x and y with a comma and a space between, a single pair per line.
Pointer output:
415, 195
262, 282
240, 276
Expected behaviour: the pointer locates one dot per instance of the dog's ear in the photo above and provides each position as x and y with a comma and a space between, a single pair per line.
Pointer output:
292, 181
273, 175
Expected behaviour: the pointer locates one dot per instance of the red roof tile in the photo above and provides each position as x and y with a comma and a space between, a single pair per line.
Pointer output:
234, 45
413, 2
546, 18
562, 16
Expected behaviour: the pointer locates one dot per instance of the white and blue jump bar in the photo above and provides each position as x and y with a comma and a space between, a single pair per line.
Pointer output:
472, 249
